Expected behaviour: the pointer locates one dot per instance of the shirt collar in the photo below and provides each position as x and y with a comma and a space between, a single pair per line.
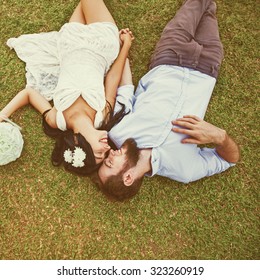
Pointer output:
155, 163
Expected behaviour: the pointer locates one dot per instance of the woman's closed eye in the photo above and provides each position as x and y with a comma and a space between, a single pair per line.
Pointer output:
98, 156
101, 155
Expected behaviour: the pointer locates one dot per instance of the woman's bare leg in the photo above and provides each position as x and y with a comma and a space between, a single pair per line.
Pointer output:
96, 11
78, 15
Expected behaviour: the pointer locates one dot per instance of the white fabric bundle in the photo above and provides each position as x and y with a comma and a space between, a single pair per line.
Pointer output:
11, 141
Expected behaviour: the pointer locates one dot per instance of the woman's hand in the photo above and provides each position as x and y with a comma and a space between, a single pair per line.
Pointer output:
126, 37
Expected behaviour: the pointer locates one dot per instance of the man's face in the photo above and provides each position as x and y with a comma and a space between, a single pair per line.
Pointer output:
117, 160
113, 164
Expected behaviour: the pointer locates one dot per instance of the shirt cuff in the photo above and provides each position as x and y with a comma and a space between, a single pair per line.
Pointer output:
125, 95
125, 90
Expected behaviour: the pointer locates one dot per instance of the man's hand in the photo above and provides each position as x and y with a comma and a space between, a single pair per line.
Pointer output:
201, 132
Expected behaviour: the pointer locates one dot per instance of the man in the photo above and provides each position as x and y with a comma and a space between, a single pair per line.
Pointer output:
166, 113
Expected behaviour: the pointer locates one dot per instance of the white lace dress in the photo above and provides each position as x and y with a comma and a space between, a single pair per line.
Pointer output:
70, 63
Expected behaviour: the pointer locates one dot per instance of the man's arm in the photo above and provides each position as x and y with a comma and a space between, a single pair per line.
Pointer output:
202, 132
126, 78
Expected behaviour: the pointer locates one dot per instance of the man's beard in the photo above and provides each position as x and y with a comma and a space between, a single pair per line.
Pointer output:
132, 152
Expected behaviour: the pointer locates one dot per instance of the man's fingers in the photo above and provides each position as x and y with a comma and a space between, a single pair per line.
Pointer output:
183, 131
184, 124
184, 121
193, 117
187, 119
190, 141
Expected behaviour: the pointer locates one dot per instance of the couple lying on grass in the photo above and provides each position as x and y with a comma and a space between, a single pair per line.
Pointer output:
101, 125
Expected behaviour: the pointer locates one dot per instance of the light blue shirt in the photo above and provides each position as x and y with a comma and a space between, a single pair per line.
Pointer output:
162, 95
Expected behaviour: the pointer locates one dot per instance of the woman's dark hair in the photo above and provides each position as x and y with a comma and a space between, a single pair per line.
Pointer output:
69, 141
113, 119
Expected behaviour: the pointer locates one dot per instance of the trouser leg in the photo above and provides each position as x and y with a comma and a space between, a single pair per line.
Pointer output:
178, 45
207, 35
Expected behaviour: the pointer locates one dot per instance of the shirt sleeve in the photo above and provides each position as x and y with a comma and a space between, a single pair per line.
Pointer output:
125, 95
208, 163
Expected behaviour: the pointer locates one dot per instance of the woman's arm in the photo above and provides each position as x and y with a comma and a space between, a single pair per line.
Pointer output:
24, 97
114, 75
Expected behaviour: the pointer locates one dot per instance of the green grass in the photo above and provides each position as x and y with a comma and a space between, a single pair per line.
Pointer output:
46, 213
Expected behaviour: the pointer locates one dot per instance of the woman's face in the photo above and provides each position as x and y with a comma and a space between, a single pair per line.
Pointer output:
99, 144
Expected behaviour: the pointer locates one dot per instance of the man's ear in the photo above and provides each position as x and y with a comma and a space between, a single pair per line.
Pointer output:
128, 178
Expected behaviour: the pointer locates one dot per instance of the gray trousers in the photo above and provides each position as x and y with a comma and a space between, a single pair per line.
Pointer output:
191, 39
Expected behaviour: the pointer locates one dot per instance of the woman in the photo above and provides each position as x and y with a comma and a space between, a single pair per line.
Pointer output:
71, 67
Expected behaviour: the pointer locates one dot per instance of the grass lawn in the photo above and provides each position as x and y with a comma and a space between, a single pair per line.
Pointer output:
47, 213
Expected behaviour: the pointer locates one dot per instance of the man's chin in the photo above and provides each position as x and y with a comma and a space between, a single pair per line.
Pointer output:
132, 151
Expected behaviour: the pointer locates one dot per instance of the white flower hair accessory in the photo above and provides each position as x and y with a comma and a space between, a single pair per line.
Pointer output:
11, 141
76, 158
68, 156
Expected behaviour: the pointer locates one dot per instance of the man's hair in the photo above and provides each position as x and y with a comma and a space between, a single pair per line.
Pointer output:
115, 189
